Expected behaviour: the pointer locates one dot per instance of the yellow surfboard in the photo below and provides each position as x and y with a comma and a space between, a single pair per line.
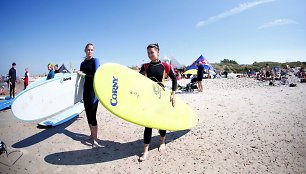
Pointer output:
137, 99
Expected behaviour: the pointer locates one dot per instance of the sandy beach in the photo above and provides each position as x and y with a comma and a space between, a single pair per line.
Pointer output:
245, 126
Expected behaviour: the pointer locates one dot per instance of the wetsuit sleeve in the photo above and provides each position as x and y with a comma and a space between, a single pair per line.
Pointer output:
142, 70
81, 67
10, 76
97, 64
173, 78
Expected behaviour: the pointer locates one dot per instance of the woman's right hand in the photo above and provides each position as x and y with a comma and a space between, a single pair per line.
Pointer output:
81, 73
172, 98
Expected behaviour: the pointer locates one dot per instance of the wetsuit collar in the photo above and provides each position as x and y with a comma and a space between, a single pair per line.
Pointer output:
154, 63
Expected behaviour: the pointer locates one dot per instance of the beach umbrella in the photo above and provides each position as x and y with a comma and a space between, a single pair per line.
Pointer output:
191, 71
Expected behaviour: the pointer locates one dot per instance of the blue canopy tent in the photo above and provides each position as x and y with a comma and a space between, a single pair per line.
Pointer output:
207, 66
204, 61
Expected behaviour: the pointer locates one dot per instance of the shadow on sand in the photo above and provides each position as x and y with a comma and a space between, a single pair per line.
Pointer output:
43, 135
110, 152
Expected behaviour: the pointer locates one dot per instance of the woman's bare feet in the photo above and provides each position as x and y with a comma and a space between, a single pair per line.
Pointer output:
145, 152
144, 156
162, 147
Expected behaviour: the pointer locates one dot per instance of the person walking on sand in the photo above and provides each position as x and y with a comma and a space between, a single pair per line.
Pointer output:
200, 75
87, 70
157, 71
51, 72
12, 80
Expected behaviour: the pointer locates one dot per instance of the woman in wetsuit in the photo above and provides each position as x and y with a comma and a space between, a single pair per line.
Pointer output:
87, 70
156, 71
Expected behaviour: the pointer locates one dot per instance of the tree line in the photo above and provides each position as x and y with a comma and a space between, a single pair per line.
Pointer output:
233, 66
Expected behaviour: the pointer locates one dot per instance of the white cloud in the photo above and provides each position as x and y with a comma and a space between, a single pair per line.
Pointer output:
240, 8
277, 22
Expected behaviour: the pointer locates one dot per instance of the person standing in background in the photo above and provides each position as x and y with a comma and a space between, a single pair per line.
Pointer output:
200, 75
56, 68
12, 80
51, 72
26, 78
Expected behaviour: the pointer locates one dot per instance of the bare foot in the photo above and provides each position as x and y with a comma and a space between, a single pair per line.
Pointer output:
162, 147
144, 156
95, 144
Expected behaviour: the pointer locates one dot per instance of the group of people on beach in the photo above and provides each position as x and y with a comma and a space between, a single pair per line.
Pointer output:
12, 78
155, 70
281, 73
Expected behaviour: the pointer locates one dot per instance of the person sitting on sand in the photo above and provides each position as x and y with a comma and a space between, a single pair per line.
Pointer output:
268, 74
2, 90
156, 71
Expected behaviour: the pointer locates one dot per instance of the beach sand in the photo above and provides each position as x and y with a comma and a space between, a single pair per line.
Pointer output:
245, 126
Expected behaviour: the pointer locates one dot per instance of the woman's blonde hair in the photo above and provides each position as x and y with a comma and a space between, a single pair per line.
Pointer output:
50, 64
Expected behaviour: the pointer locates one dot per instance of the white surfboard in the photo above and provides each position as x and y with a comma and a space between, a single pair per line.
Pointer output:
8, 100
43, 79
64, 116
48, 97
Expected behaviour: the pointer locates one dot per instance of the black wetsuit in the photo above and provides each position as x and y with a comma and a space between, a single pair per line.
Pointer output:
89, 67
12, 79
157, 72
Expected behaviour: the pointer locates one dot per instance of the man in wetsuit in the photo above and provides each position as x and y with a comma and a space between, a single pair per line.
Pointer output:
12, 80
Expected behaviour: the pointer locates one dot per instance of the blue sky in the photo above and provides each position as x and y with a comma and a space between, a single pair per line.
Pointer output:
36, 32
